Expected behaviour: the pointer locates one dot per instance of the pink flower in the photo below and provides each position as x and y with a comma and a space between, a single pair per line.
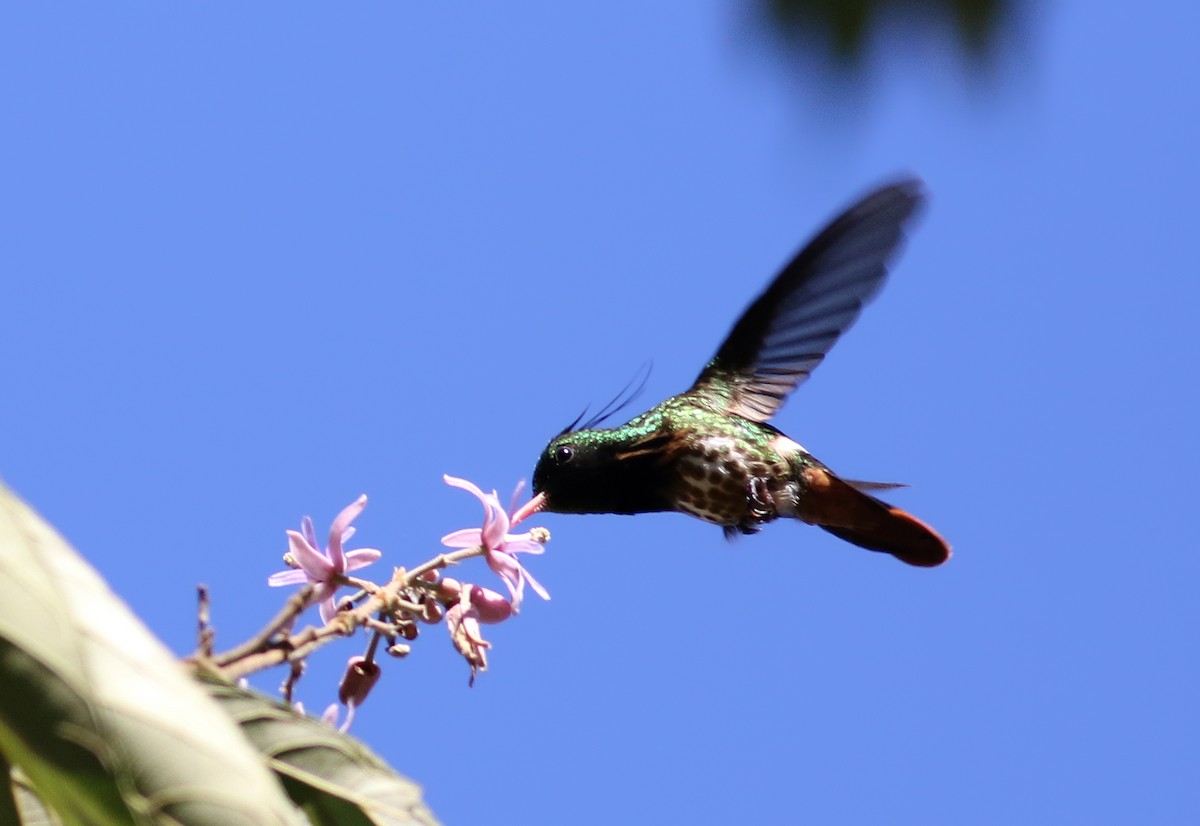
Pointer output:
475, 605
502, 547
325, 570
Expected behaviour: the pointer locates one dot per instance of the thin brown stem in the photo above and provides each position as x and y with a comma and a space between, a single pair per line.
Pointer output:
443, 561
295, 604
288, 688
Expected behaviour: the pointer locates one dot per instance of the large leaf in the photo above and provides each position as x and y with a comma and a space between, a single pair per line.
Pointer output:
102, 720
334, 777
28, 809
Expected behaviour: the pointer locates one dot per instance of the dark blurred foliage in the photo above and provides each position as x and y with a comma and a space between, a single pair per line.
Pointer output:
845, 27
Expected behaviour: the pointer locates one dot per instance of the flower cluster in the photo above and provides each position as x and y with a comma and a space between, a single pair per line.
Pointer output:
475, 604
500, 546
421, 597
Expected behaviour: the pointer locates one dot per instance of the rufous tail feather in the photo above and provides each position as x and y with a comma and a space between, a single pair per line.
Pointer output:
849, 514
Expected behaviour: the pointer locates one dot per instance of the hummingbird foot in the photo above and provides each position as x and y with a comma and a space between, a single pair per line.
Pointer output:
762, 503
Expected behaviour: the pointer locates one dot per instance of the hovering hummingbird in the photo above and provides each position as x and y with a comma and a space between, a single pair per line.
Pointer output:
709, 452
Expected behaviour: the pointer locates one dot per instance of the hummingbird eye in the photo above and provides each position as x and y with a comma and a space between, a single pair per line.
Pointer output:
564, 454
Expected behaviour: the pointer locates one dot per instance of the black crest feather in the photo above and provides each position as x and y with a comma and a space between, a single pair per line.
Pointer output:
619, 402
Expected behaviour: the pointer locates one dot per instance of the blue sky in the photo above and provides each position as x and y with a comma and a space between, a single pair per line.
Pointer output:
260, 260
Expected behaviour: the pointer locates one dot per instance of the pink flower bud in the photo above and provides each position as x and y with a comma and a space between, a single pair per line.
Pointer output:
433, 610
490, 606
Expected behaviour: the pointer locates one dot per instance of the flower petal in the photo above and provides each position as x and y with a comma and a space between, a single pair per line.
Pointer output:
306, 528
536, 586
292, 576
311, 561
361, 557
348, 515
512, 506
521, 545
323, 591
496, 524
466, 538
509, 570
328, 609
454, 615
345, 727
470, 487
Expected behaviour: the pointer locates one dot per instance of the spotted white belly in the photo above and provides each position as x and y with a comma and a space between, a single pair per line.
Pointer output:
716, 482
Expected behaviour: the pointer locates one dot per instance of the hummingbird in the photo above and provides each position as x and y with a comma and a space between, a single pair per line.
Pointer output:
710, 453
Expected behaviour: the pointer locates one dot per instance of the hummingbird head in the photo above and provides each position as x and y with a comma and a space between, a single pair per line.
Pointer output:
599, 471
570, 472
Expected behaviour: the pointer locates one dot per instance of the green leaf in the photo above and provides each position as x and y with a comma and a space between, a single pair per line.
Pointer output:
106, 725
332, 776
28, 808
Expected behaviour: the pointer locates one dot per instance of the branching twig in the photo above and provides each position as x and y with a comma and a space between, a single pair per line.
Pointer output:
392, 611
295, 605
205, 636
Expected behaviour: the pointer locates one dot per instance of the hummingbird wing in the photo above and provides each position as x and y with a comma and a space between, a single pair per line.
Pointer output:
787, 331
